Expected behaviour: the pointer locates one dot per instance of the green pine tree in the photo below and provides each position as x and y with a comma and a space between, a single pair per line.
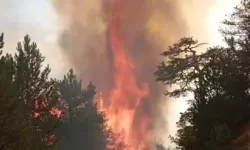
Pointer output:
9, 106
83, 123
37, 94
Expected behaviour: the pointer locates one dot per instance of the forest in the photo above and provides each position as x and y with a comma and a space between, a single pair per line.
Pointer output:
37, 112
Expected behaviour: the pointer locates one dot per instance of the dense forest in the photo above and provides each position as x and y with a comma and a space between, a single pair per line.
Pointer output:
40, 113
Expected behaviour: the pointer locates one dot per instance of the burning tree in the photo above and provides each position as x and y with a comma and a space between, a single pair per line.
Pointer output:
114, 140
32, 108
25, 91
34, 87
85, 121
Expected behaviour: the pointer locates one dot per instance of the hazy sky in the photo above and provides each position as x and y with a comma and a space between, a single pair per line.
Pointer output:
36, 18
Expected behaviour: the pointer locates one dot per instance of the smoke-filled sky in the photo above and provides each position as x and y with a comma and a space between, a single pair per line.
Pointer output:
39, 20
62, 33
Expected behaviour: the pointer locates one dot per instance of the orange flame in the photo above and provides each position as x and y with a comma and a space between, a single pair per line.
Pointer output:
126, 95
99, 102
54, 111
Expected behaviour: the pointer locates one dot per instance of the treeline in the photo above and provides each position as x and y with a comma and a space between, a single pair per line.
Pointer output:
218, 117
38, 113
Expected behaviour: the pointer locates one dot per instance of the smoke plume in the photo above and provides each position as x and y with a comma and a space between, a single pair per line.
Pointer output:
147, 27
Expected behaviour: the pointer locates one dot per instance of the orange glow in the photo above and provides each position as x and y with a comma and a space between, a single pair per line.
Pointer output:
50, 139
126, 95
54, 111
99, 102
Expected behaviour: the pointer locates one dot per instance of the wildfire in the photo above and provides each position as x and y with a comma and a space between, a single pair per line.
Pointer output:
126, 95
99, 102
54, 111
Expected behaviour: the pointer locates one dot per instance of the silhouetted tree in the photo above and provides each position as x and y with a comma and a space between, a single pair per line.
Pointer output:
83, 123
219, 81
30, 104
37, 94
8, 104
26, 100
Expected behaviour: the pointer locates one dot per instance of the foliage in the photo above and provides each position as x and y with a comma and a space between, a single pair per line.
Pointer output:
219, 80
27, 98
219, 135
40, 113
8, 104
82, 119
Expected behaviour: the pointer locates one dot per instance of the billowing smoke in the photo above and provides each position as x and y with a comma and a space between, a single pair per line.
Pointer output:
146, 27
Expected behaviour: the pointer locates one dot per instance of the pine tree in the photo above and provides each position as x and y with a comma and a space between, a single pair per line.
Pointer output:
8, 103
37, 94
9, 106
219, 81
83, 123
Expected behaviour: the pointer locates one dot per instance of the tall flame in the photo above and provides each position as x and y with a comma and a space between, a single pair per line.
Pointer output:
126, 95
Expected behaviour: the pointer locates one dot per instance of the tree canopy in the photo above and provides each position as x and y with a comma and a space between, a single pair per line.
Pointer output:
37, 112
218, 77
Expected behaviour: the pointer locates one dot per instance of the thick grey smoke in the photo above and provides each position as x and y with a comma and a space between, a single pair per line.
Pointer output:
149, 26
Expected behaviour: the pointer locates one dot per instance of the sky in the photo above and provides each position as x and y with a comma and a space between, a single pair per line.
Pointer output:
38, 19
215, 15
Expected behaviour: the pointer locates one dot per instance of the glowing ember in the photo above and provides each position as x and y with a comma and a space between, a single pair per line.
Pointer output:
99, 102
54, 111
126, 95
50, 140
